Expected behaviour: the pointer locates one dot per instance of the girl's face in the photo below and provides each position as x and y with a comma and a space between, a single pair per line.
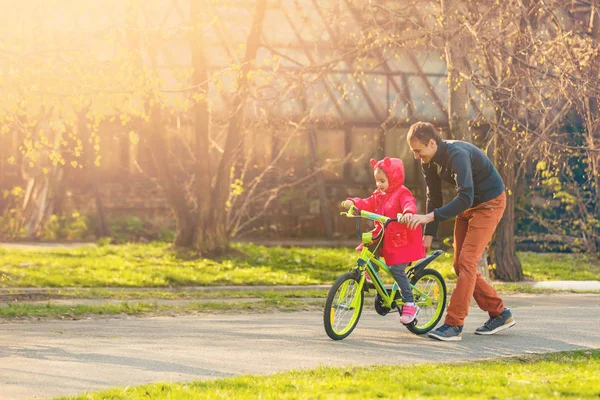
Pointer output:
381, 180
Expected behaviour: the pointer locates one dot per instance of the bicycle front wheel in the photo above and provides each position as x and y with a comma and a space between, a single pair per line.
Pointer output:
343, 306
429, 291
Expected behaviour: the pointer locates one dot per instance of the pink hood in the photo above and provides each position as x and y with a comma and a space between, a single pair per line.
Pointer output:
393, 168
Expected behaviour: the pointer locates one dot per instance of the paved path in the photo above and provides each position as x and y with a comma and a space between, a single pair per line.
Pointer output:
45, 359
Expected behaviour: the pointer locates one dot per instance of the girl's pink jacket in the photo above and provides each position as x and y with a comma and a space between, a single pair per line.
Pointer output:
400, 244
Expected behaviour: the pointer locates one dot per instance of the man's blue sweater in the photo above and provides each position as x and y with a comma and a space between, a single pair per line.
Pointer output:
469, 169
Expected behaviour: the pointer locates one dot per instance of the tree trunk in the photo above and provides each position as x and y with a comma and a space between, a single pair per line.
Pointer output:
312, 142
507, 264
103, 225
174, 191
38, 202
456, 50
102, 229
504, 253
35, 205
197, 231
593, 138
158, 145
217, 238
185, 224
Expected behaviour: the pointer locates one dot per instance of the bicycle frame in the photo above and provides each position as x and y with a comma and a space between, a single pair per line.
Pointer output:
368, 261
345, 299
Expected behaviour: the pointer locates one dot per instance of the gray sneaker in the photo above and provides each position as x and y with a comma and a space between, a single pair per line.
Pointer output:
497, 324
447, 333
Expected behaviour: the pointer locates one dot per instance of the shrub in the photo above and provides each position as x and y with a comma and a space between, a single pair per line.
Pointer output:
74, 226
11, 220
126, 229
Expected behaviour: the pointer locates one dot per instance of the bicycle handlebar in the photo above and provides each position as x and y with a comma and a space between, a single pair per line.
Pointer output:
354, 212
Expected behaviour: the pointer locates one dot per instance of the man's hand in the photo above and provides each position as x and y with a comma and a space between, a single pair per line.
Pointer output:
427, 239
406, 217
417, 219
347, 204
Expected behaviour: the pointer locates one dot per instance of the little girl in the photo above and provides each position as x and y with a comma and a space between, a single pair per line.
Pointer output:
400, 244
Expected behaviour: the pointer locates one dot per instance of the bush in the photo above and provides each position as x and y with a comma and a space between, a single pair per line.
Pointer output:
70, 227
11, 220
166, 235
127, 229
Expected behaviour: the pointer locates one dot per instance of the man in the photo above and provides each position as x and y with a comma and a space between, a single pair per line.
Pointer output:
478, 207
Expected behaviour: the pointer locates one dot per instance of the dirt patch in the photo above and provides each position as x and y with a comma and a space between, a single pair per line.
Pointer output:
28, 297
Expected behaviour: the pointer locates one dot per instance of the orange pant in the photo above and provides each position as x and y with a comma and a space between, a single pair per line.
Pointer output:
473, 230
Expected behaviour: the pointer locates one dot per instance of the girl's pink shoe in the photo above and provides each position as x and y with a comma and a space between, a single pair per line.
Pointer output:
409, 313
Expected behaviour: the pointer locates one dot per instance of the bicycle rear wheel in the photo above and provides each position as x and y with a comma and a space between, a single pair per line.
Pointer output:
429, 291
343, 306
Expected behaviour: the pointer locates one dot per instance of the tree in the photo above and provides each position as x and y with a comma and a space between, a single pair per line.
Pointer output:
207, 178
456, 55
532, 67
503, 254
214, 212
534, 71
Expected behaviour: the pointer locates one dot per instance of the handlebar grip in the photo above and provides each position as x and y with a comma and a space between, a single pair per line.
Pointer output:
392, 220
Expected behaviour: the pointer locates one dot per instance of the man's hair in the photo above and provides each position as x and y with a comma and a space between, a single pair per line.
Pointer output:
423, 131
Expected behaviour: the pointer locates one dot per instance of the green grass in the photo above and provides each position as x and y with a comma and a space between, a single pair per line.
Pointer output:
17, 294
155, 265
568, 374
560, 266
79, 311
142, 303
515, 288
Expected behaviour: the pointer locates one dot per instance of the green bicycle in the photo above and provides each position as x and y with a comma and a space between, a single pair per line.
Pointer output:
345, 299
